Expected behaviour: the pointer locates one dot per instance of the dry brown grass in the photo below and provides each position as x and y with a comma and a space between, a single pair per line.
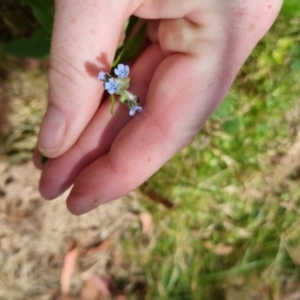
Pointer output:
35, 235
24, 92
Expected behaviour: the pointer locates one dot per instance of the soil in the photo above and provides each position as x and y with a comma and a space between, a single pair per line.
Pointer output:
46, 252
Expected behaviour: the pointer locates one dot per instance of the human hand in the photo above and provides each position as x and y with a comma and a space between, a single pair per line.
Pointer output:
196, 50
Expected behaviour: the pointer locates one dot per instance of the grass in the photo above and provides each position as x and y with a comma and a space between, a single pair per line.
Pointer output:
235, 220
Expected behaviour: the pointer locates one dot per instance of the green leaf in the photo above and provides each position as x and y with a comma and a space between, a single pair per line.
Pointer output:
295, 52
37, 46
131, 23
232, 126
132, 47
224, 110
291, 8
296, 65
43, 11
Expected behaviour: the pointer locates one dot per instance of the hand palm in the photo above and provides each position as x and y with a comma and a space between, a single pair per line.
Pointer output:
181, 78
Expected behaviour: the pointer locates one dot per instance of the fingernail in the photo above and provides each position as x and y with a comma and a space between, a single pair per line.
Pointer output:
52, 129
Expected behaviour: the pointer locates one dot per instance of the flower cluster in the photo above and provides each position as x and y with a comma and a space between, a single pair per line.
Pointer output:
119, 87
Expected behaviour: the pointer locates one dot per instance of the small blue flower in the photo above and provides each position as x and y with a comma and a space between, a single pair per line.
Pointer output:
133, 110
101, 76
111, 86
122, 71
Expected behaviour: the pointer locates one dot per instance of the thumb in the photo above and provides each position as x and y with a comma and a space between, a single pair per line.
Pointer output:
85, 37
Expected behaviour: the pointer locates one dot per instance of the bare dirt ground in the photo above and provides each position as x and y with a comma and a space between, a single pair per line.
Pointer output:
45, 252
41, 241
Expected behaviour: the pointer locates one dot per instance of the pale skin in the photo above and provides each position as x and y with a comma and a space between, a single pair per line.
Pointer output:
196, 49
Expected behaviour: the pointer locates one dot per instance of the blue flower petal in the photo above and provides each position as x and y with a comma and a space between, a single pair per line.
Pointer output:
122, 71
111, 86
101, 76
133, 110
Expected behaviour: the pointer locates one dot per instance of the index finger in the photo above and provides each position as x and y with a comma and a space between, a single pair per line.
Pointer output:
85, 38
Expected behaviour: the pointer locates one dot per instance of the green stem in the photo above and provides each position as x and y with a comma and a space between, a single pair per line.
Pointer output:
112, 99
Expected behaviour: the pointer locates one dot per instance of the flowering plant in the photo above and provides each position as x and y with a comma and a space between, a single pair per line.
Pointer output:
119, 86
129, 50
